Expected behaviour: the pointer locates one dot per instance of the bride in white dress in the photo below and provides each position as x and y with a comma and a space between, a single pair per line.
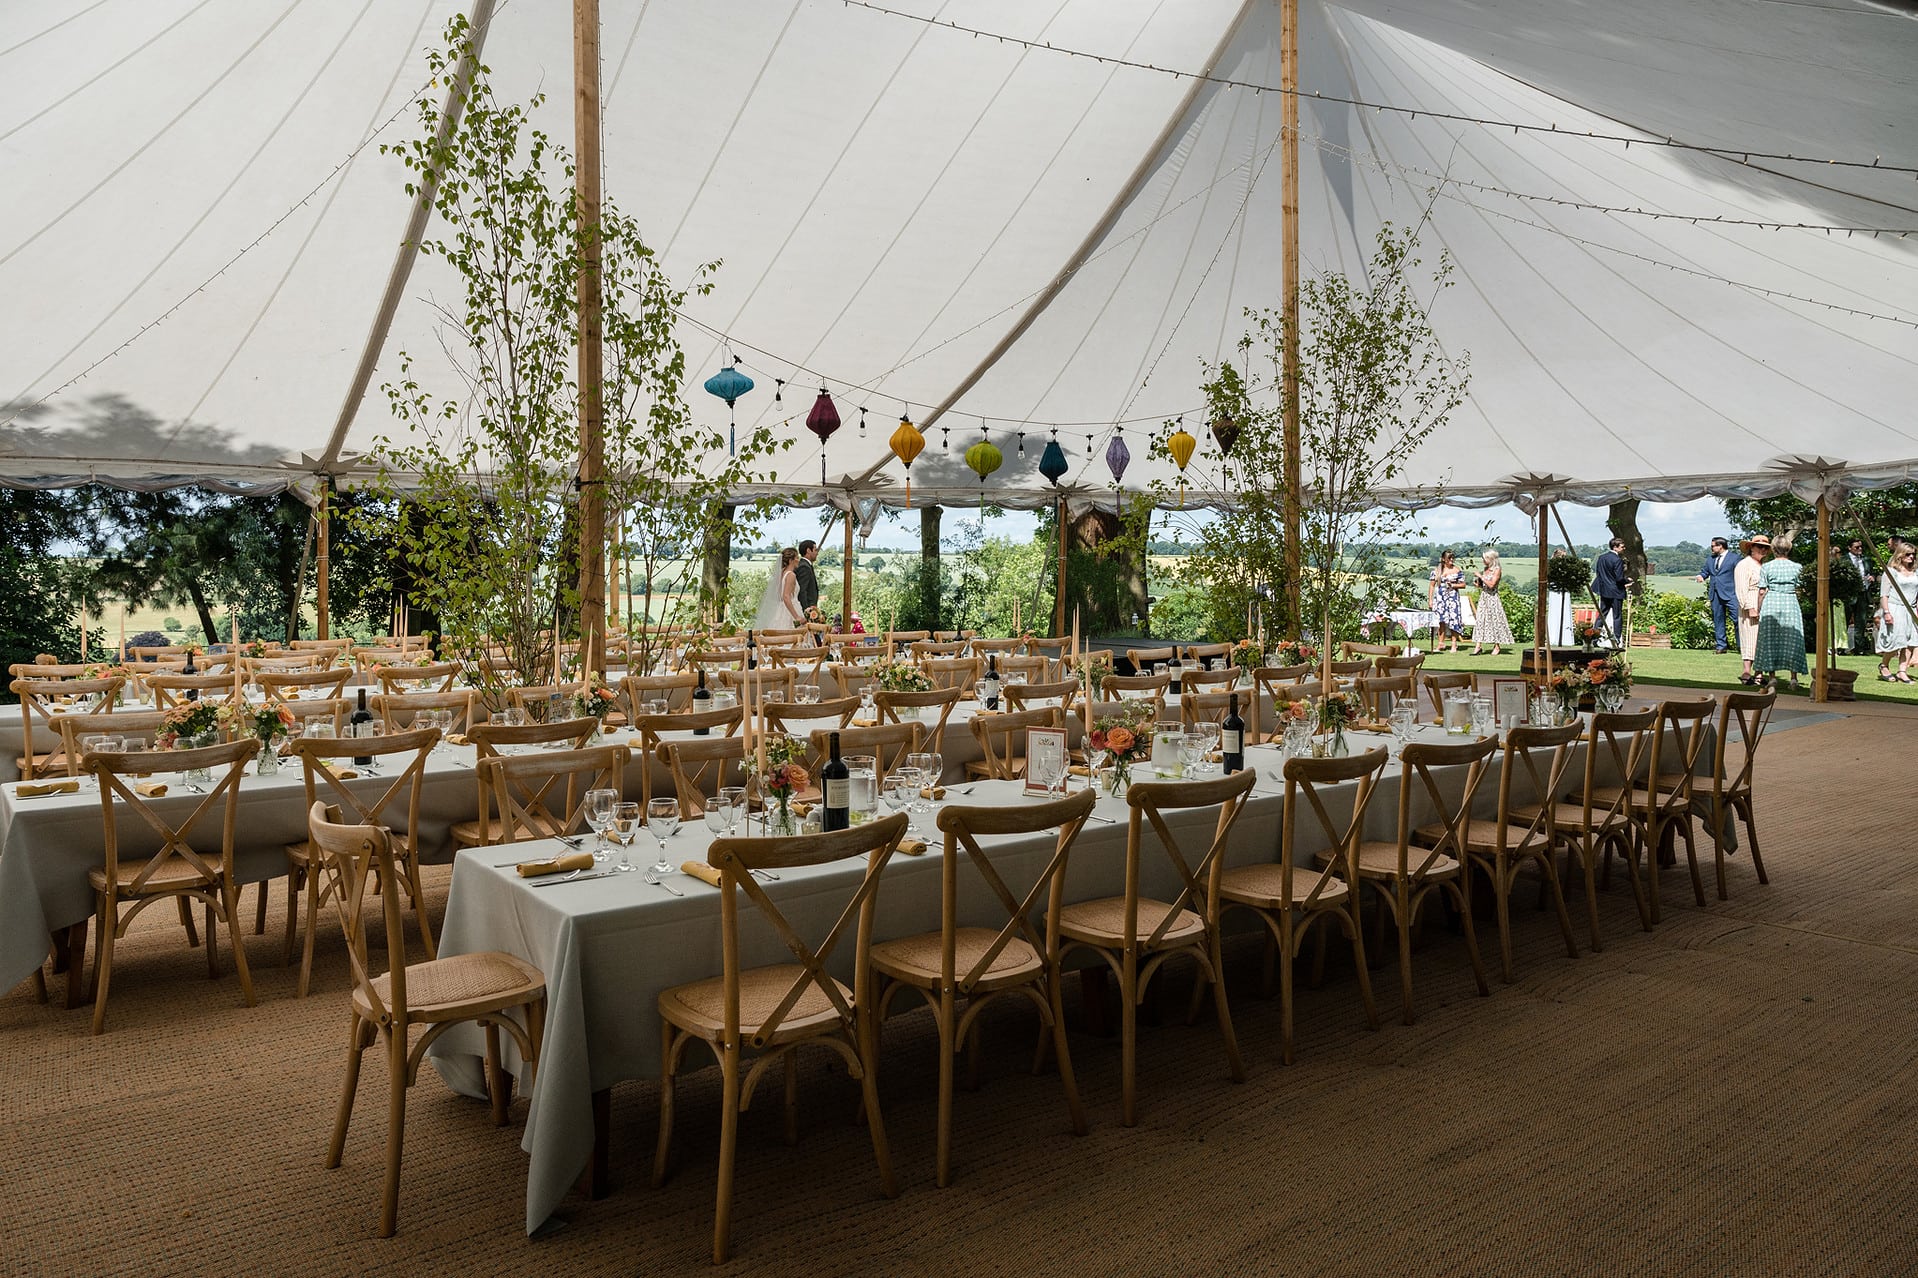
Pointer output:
779, 605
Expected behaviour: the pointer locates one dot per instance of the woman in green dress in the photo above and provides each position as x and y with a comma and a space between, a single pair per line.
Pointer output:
1781, 625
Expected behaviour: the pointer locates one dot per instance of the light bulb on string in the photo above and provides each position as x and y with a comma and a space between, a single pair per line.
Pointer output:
862, 421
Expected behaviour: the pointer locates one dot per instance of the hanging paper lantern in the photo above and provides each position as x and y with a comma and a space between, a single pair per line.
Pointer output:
984, 457
1052, 462
822, 421
729, 384
1118, 457
906, 444
1180, 446
1226, 431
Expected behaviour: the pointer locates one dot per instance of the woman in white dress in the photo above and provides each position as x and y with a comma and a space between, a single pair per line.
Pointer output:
1492, 626
1753, 552
1898, 613
779, 606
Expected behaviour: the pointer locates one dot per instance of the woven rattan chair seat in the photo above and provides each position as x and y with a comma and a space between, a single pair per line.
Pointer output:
700, 1006
485, 830
173, 874
1381, 860
1102, 922
1481, 836
1263, 885
1571, 817
916, 959
458, 986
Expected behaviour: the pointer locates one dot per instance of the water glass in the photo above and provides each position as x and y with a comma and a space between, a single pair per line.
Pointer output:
806, 694
1481, 716
598, 808
624, 827
862, 787
321, 728
1210, 735
1191, 753
662, 822
653, 706
1298, 739
732, 798
901, 792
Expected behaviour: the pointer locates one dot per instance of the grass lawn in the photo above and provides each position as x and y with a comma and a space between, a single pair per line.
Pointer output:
1689, 668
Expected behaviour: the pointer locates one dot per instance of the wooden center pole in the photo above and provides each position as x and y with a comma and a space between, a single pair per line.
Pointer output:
1820, 675
845, 579
1059, 595
592, 407
324, 517
1541, 618
1289, 166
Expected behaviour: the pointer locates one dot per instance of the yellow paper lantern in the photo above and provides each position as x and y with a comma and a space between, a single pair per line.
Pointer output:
1180, 446
907, 443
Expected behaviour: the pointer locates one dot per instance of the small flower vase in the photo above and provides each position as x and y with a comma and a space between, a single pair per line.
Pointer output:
1337, 748
269, 764
1118, 778
195, 743
1567, 705
779, 819
597, 735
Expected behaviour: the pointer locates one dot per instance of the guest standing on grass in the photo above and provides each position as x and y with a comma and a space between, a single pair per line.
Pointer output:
1897, 614
1719, 573
1781, 623
1753, 552
1610, 583
1442, 594
1491, 626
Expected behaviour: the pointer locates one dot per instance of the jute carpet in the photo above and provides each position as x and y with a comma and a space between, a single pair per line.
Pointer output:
1732, 1094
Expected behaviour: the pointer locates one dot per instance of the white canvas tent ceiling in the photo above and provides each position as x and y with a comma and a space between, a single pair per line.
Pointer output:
201, 225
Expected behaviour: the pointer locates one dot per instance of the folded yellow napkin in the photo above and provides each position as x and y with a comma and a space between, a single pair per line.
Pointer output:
39, 789
800, 808
456, 738
932, 791
1079, 770
912, 847
150, 789
558, 865
347, 774
701, 870
865, 723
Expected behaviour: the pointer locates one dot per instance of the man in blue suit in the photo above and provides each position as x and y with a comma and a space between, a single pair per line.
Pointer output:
1610, 583
1721, 591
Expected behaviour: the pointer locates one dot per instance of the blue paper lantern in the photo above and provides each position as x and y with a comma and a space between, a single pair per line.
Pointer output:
1052, 463
729, 384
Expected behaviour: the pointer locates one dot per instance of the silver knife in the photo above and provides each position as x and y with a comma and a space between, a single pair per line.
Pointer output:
541, 881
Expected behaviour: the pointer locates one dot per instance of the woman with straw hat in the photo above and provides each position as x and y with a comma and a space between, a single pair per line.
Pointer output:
1753, 552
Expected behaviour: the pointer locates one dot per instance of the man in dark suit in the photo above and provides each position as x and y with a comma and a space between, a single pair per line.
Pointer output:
1860, 607
805, 577
1721, 591
1610, 583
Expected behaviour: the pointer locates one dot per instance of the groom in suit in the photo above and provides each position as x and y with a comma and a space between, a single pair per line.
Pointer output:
1721, 590
1610, 583
806, 577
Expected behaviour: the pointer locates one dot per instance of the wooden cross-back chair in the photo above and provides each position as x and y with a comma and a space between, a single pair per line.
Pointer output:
999, 647
915, 705
806, 660
893, 640
763, 683
155, 651
1351, 648
1136, 934
286, 662
306, 713
1532, 770
1002, 741
1141, 687
1143, 659
1200, 653
75, 728
1399, 665
438, 676
853, 678
715, 660
489, 741
537, 699
1742, 721
291, 686
391, 800
47, 670
367, 660
982, 965
1287, 897
170, 690
543, 796
1660, 800
1052, 647
1405, 873
753, 1018
1193, 679
798, 720
333, 645
1350, 669
952, 672
700, 767
1035, 669
676, 690
1206, 707
1381, 694
926, 649
179, 870
40, 701
1437, 685
782, 637
888, 744
484, 988
397, 709
1038, 696
1273, 684
1599, 819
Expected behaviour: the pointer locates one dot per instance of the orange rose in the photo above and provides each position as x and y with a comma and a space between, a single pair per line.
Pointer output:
1119, 740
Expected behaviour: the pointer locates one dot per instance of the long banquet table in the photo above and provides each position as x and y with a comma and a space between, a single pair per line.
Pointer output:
609, 946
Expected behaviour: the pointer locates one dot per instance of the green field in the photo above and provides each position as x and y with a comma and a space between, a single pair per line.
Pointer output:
1690, 668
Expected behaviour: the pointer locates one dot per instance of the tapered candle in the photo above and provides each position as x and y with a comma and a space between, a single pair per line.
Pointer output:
239, 679
1015, 617
123, 632
83, 634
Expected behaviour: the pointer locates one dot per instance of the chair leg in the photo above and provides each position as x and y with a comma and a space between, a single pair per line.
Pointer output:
792, 1095
728, 1141
76, 959
40, 994
868, 1044
259, 909
295, 880
230, 901
212, 943
103, 961
1067, 1079
1463, 894
1548, 875
1719, 816
1684, 829
1234, 1061
395, 1130
1647, 901
314, 890
1402, 901
1128, 1039
668, 1088
418, 893
1751, 836
1588, 855
1502, 885
942, 1014
1286, 943
536, 1035
495, 1085
186, 921
1359, 960
357, 1043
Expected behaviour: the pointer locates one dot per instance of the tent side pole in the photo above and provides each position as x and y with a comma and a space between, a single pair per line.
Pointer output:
1289, 137
1820, 671
845, 577
592, 406
1541, 646
1059, 595
324, 515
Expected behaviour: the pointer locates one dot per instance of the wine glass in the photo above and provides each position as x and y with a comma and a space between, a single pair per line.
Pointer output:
598, 809
662, 821
732, 798
866, 701
935, 766
1191, 751
1210, 735
902, 792
624, 828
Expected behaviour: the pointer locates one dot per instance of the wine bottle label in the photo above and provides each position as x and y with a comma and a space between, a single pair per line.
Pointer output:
1231, 742
839, 792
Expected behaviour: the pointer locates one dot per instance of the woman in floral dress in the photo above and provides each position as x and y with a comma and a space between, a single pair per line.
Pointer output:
1492, 625
1781, 625
1443, 595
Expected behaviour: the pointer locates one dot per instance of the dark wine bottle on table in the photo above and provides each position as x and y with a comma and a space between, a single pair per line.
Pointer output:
835, 781
702, 702
752, 652
1176, 670
357, 724
1232, 737
992, 682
